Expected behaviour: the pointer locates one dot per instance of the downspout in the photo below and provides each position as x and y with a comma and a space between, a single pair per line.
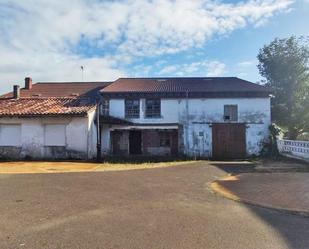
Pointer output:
187, 122
99, 155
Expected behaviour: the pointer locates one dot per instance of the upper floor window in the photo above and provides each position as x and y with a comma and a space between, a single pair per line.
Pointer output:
132, 108
230, 113
153, 108
105, 107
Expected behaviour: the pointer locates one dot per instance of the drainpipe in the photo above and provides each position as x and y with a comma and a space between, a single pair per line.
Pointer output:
187, 121
99, 155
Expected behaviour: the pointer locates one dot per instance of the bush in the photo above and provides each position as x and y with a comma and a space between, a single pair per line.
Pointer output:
270, 147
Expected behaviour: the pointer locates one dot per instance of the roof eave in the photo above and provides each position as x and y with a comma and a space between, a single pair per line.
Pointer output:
252, 94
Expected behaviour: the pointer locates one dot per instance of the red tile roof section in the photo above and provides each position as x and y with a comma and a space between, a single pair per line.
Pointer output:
193, 84
44, 106
61, 89
67, 98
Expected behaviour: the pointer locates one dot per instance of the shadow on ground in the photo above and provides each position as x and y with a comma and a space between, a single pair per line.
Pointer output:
294, 228
235, 167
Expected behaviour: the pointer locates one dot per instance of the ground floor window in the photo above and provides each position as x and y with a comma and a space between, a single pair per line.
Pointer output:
55, 135
165, 139
10, 135
152, 142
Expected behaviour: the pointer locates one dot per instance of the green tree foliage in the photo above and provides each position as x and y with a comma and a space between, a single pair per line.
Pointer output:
284, 64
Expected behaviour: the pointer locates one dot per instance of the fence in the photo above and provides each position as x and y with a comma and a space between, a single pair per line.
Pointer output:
293, 148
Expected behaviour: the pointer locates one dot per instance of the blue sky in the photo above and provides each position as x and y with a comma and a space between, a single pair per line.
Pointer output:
49, 40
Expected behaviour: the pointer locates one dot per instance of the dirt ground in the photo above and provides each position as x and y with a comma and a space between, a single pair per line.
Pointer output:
23, 167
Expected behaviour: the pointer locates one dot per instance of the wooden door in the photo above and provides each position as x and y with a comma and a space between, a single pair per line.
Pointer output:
228, 141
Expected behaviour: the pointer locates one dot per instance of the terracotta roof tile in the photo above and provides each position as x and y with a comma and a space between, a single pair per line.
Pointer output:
45, 106
50, 98
60, 89
183, 84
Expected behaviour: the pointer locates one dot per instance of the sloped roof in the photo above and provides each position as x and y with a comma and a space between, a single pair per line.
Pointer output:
51, 98
45, 107
191, 85
60, 89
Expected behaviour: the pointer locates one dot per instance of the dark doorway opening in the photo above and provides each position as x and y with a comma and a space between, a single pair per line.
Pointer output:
135, 142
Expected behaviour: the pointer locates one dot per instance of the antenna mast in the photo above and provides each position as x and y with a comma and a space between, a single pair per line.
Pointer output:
82, 69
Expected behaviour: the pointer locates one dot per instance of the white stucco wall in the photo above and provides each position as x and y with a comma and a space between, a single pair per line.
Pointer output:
32, 144
196, 115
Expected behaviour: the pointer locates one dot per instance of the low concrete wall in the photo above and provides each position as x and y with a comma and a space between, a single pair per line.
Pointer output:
294, 148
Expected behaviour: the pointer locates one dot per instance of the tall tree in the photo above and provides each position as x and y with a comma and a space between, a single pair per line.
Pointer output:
284, 64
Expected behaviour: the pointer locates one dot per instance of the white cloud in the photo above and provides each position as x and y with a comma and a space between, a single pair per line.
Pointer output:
168, 69
246, 64
244, 68
39, 37
215, 68
199, 68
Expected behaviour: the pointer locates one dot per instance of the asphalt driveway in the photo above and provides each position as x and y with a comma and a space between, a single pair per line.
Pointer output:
153, 208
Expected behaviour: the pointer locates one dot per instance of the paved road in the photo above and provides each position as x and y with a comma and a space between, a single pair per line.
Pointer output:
156, 208
287, 191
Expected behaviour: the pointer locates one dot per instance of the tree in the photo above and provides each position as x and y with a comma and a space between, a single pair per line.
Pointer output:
284, 64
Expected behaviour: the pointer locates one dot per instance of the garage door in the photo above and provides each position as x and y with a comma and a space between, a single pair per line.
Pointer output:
228, 141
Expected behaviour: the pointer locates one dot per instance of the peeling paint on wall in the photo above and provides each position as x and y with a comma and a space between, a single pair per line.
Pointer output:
203, 112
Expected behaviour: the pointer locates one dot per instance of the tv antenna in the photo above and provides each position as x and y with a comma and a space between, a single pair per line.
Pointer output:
82, 69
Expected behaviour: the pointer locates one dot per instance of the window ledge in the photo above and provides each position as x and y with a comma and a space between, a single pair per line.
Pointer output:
63, 146
12, 146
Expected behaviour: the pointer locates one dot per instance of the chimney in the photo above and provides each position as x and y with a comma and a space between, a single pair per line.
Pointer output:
28, 83
16, 92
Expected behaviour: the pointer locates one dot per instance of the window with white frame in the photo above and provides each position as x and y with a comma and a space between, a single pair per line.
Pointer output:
105, 107
55, 135
153, 108
132, 108
10, 135
230, 113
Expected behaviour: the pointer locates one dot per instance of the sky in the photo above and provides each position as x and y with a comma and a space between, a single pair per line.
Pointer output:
49, 40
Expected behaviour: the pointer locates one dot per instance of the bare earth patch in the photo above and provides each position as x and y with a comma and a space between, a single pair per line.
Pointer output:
21, 167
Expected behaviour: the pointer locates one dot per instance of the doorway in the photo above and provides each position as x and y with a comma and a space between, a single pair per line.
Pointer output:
229, 141
135, 142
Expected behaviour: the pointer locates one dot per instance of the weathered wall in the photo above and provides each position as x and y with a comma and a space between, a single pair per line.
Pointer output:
151, 142
196, 115
32, 136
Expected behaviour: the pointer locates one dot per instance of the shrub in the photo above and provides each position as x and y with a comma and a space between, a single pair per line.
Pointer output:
270, 147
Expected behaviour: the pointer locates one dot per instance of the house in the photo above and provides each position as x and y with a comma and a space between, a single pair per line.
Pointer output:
49, 120
218, 117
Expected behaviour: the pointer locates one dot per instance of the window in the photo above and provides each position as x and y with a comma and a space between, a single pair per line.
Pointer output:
153, 108
55, 135
132, 108
105, 107
165, 139
230, 113
10, 135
